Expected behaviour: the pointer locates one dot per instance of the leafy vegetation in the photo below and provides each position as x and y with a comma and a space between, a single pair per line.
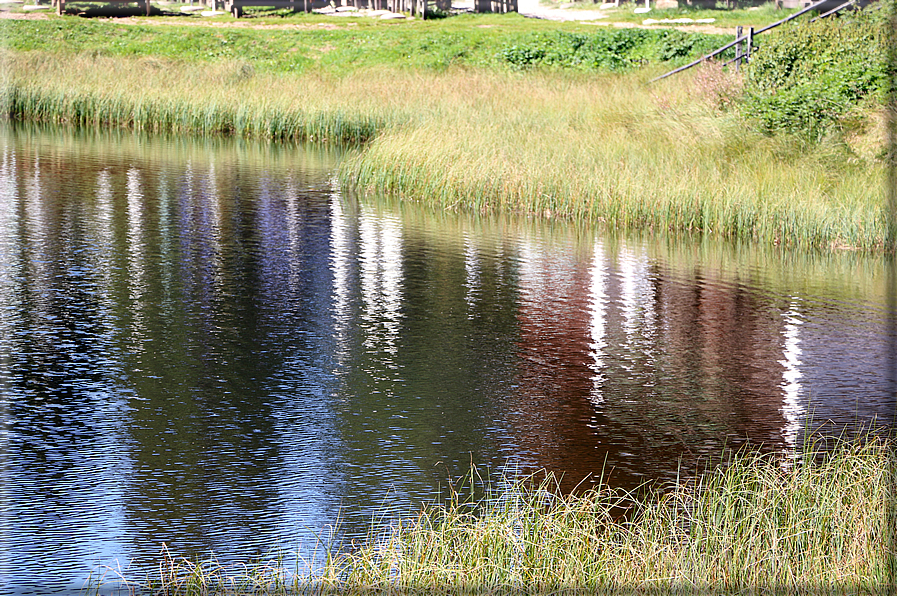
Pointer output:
816, 78
608, 50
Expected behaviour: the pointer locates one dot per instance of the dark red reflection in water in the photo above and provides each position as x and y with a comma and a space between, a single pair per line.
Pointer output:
641, 372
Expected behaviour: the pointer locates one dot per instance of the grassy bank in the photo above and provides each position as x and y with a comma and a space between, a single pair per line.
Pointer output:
612, 149
314, 44
755, 525
523, 117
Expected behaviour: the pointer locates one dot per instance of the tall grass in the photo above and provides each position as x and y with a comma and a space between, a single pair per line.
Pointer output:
614, 150
598, 147
753, 524
153, 95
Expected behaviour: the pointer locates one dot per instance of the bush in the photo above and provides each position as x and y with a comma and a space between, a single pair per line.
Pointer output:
605, 50
808, 78
676, 44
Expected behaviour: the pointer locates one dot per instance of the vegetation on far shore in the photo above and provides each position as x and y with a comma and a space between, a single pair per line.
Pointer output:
343, 46
489, 112
819, 523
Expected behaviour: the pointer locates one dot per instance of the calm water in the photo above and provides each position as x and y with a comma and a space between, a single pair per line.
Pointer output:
207, 345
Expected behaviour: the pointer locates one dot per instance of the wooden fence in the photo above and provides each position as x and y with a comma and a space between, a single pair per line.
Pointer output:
742, 53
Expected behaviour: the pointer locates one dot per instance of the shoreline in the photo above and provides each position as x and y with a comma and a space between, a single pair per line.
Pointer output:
600, 147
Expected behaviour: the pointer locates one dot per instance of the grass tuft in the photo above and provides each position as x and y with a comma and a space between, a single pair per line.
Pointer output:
755, 523
611, 149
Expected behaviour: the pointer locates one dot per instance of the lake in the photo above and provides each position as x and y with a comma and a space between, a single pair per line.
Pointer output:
206, 345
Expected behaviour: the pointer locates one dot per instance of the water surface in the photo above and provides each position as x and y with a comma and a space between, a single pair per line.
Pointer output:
206, 345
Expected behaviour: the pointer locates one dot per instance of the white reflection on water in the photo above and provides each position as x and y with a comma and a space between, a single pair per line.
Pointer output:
9, 304
636, 297
103, 216
9, 225
101, 230
598, 311
37, 224
136, 260
340, 265
167, 268
294, 225
472, 274
792, 410
215, 220
100, 227
381, 280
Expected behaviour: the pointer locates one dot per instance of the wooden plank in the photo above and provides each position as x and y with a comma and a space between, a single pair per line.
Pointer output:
750, 43
739, 51
712, 54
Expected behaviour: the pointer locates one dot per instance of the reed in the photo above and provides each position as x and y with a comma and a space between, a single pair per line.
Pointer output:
752, 523
229, 97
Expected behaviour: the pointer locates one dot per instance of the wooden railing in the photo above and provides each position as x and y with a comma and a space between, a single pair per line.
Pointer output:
744, 56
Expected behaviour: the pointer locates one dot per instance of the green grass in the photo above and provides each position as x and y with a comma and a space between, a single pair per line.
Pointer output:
751, 524
342, 45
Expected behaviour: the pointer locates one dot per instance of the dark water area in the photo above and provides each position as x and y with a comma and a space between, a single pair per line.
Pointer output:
208, 346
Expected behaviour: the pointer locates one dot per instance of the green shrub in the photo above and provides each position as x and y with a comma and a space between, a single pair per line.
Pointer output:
807, 78
611, 50
676, 44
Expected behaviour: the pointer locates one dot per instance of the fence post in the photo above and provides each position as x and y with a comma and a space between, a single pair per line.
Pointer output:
750, 44
739, 48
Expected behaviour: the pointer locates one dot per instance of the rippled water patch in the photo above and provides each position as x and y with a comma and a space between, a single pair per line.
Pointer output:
207, 346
